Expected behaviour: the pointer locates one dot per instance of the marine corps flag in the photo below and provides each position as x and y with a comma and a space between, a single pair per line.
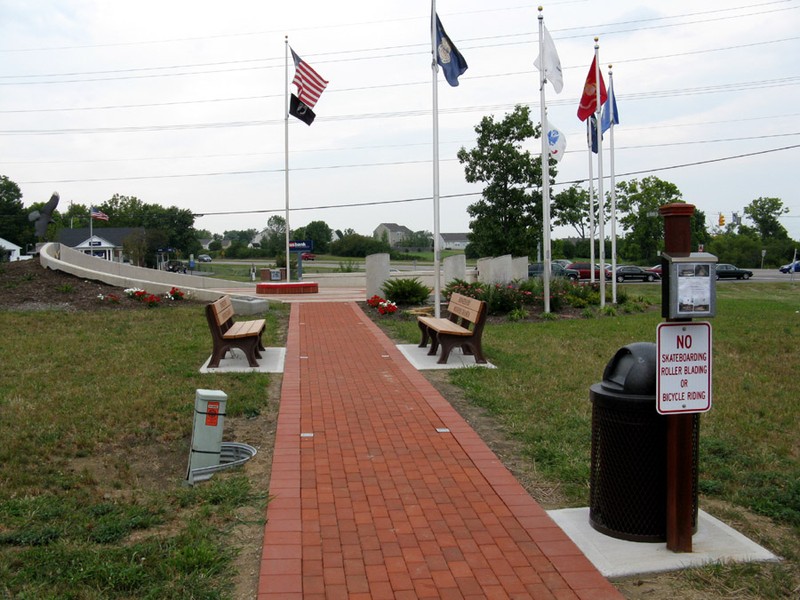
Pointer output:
588, 103
300, 111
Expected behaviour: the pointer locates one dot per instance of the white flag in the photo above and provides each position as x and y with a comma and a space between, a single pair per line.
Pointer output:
552, 64
556, 142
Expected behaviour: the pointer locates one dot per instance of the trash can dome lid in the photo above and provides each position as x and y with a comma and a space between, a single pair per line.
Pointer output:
632, 370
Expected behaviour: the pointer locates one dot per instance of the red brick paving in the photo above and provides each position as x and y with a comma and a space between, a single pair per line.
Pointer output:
381, 490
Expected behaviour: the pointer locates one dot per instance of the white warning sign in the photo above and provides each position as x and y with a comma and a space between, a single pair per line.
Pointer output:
684, 367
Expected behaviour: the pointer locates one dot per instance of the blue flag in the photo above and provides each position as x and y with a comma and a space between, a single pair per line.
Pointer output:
610, 113
448, 56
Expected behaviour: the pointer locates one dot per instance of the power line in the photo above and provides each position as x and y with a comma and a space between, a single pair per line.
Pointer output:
678, 92
466, 194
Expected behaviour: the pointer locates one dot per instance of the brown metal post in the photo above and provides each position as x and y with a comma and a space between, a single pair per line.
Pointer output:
677, 242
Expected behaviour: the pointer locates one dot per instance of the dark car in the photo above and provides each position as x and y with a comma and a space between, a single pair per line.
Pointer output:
626, 273
726, 271
584, 270
175, 266
556, 270
204, 258
791, 267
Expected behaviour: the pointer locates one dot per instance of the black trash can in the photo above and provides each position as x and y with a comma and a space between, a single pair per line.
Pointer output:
627, 486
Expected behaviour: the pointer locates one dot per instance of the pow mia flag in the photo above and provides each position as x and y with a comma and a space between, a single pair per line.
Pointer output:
300, 111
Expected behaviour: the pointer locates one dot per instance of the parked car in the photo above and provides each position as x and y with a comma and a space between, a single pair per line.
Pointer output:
655, 269
562, 261
631, 272
791, 267
204, 258
726, 271
175, 266
556, 270
585, 270
308, 256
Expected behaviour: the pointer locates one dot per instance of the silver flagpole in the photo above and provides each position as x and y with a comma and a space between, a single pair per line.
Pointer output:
600, 201
591, 199
613, 194
437, 291
545, 171
286, 149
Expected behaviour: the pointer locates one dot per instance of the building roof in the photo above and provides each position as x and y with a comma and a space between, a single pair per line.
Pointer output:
114, 235
454, 237
395, 228
9, 245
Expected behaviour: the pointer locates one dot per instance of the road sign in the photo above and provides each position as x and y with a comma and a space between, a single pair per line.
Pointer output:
684, 367
301, 245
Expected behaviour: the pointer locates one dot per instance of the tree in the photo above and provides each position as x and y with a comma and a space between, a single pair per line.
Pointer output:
507, 219
274, 240
14, 224
358, 245
240, 236
571, 208
319, 233
764, 212
638, 202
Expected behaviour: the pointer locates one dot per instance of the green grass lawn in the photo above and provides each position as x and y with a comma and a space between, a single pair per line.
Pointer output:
97, 410
750, 440
84, 396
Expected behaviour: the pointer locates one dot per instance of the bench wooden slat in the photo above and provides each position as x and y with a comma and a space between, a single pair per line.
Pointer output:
445, 326
244, 329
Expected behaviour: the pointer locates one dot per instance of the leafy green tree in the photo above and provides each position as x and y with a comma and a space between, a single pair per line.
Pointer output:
14, 224
571, 209
242, 236
638, 203
319, 233
358, 245
764, 212
507, 219
274, 240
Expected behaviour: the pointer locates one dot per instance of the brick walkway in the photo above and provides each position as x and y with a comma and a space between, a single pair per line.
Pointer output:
381, 490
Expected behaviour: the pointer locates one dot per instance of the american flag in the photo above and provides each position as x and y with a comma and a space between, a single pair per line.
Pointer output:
98, 214
309, 83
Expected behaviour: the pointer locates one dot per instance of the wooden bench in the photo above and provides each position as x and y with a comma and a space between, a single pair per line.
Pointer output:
463, 328
227, 334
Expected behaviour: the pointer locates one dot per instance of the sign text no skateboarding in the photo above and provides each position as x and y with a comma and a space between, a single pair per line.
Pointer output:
684, 367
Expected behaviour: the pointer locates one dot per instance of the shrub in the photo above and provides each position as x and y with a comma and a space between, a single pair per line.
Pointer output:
459, 286
406, 291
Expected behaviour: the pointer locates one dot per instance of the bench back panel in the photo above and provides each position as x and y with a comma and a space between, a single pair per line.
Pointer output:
465, 308
223, 310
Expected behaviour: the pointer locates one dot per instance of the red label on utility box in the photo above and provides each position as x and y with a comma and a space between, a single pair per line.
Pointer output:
684, 368
212, 414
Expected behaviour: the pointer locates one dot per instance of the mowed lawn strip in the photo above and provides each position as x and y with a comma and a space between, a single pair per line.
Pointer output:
96, 412
749, 441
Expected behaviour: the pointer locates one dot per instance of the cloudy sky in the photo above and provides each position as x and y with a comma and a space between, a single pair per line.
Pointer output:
181, 103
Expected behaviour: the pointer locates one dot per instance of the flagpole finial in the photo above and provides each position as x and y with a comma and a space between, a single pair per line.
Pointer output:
541, 8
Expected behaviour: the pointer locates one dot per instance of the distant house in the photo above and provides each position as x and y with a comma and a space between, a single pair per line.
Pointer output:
453, 241
103, 242
9, 251
395, 234
206, 242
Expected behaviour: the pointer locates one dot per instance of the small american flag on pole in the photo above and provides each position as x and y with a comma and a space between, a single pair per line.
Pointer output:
309, 83
98, 214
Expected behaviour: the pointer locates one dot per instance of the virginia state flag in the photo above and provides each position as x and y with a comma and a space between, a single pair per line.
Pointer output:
447, 55
588, 103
